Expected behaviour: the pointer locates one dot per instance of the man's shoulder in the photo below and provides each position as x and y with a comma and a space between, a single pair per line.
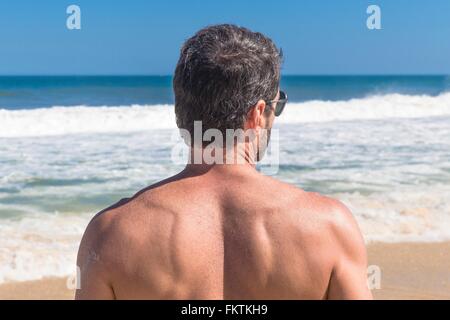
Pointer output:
313, 201
117, 235
121, 218
333, 224
328, 207
128, 209
107, 224
129, 216
333, 214
322, 211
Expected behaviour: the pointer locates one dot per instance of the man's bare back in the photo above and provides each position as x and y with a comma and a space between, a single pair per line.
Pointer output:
223, 232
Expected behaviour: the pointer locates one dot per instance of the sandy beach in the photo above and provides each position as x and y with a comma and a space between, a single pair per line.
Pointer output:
412, 271
408, 271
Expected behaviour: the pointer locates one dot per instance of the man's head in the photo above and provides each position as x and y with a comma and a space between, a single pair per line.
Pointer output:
224, 78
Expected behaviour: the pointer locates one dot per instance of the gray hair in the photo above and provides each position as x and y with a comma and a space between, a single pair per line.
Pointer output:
223, 71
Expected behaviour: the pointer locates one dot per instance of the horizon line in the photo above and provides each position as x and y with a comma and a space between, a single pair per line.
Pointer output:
285, 75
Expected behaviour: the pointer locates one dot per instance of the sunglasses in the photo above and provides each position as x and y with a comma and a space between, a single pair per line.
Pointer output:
280, 103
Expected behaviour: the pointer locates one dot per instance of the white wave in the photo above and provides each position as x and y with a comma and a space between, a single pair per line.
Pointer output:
85, 119
408, 214
38, 246
374, 107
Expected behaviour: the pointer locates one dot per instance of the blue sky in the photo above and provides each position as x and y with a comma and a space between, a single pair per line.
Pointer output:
143, 37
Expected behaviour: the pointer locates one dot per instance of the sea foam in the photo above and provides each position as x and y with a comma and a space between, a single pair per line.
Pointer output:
59, 120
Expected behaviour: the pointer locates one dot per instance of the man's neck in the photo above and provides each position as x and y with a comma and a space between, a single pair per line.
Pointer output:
238, 159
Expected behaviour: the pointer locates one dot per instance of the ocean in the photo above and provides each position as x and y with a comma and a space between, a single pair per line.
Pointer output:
72, 145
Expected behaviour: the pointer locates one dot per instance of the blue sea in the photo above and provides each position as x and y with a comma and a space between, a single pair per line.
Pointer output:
72, 145
30, 92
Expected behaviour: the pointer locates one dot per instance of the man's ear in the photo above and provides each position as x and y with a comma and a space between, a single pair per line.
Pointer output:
255, 117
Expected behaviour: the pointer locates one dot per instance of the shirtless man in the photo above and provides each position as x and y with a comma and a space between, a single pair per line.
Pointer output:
225, 231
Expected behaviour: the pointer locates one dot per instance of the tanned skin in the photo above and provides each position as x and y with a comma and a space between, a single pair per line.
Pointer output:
224, 232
